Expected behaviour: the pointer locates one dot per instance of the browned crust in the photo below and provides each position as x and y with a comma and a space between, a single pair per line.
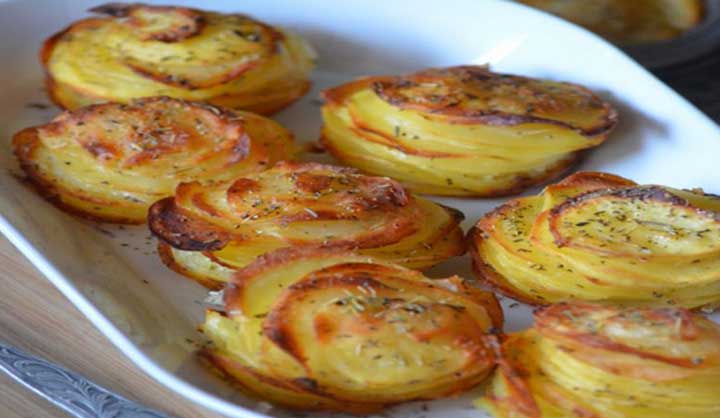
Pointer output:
337, 95
382, 195
276, 327
381, 84
547, 320
191, 25
26, 142
178, 228
165, 253
642, 193
492, 118
593, 180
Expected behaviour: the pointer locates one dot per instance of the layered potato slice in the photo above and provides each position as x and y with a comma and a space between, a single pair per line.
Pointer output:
593, 361
138, 50
111, 161
599, 237
207, 231
628, 22
463, 131
328, 330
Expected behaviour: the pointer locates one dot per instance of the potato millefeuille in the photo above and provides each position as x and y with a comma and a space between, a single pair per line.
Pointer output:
206, 232
595, 236
139, 50
593, 361
463, 131
329, 330
112, 161
629, 22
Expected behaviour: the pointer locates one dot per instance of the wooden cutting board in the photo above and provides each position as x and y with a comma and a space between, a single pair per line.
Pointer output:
36, 317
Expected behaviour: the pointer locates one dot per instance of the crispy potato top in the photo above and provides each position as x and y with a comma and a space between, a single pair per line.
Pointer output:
595, 236
137, 153
463, 131
357, 333
140, 50
159, 23
674, 337
297, 203
474, 94
691, 230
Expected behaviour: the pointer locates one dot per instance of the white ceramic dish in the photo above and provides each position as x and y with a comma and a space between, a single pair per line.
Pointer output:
150, 313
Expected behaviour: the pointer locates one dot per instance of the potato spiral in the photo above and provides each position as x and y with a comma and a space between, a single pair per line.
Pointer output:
327, 330
141, 50
208, 231
595, 236
592, 361
463, 130
112, 161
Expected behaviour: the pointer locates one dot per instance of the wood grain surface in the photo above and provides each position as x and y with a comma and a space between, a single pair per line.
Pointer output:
37, 318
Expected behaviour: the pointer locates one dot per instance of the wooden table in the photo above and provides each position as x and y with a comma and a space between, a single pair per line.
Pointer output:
37, 318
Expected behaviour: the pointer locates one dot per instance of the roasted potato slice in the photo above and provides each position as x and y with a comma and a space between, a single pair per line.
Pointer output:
313, 328
599, 237
582, 360
463, 130
111, 161
139, 50
206, 231
628, 22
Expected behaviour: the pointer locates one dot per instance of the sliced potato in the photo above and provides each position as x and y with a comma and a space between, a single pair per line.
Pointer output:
599, 237
140, 50
229, 224
112, 161
337, 331
463, 130
600, 361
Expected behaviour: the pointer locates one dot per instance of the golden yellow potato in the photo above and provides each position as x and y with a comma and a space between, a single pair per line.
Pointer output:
316, 329
628, 22
463, 131
208, 231
111, 161
599, 237
592, 361
140, 50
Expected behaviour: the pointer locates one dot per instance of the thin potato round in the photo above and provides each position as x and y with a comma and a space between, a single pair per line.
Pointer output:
463, 131
205, 231
112, 161
343, 332
599, 237
587, 361
139, 50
